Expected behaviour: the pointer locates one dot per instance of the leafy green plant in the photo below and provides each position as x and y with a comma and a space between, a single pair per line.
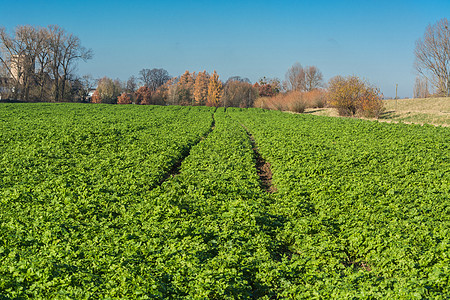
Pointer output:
365, 204
89, 207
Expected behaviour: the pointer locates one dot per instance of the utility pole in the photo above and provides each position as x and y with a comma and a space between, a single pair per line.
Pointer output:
396, 101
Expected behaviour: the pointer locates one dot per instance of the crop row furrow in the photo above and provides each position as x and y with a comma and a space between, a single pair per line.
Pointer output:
207, 230
262, 166
366, 204
89, 209
70, 175
175, 168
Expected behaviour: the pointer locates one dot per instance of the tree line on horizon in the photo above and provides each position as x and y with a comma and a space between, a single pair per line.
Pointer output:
39, 64
156, 86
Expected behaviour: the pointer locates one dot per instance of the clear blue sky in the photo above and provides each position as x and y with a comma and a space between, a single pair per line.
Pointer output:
373, 39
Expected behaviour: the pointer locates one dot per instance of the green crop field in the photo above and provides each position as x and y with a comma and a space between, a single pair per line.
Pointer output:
153, 202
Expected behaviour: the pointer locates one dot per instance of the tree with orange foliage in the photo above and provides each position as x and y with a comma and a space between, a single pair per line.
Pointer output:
171, 91
185, 88
96, 97
124, 98
201, 88
159, 97
144, 95
215, 90
264, 89
350, 95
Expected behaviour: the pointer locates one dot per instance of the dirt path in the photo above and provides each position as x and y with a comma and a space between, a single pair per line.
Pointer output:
175, 169
263, 167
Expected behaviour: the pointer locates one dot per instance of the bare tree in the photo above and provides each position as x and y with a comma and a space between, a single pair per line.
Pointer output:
38, 57
65, 51
154, 78
5, 88
22, 52
238, 78
88, 84
295, 78
433, 56
238, 93
421, 88
27, 36
158, 78
144, 77
313, 78
13, 58
43, 62
56, 38
131, 85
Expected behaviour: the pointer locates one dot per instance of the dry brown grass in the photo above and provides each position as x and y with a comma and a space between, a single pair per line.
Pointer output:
429, 105
325, 111
434, 111
293, 101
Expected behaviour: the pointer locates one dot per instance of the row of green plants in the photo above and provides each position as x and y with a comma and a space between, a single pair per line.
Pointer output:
206, 233
366, 204
69, 175
87, 209
85, 216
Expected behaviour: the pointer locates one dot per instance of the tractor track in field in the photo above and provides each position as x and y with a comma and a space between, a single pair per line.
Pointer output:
263, 167
175, 169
